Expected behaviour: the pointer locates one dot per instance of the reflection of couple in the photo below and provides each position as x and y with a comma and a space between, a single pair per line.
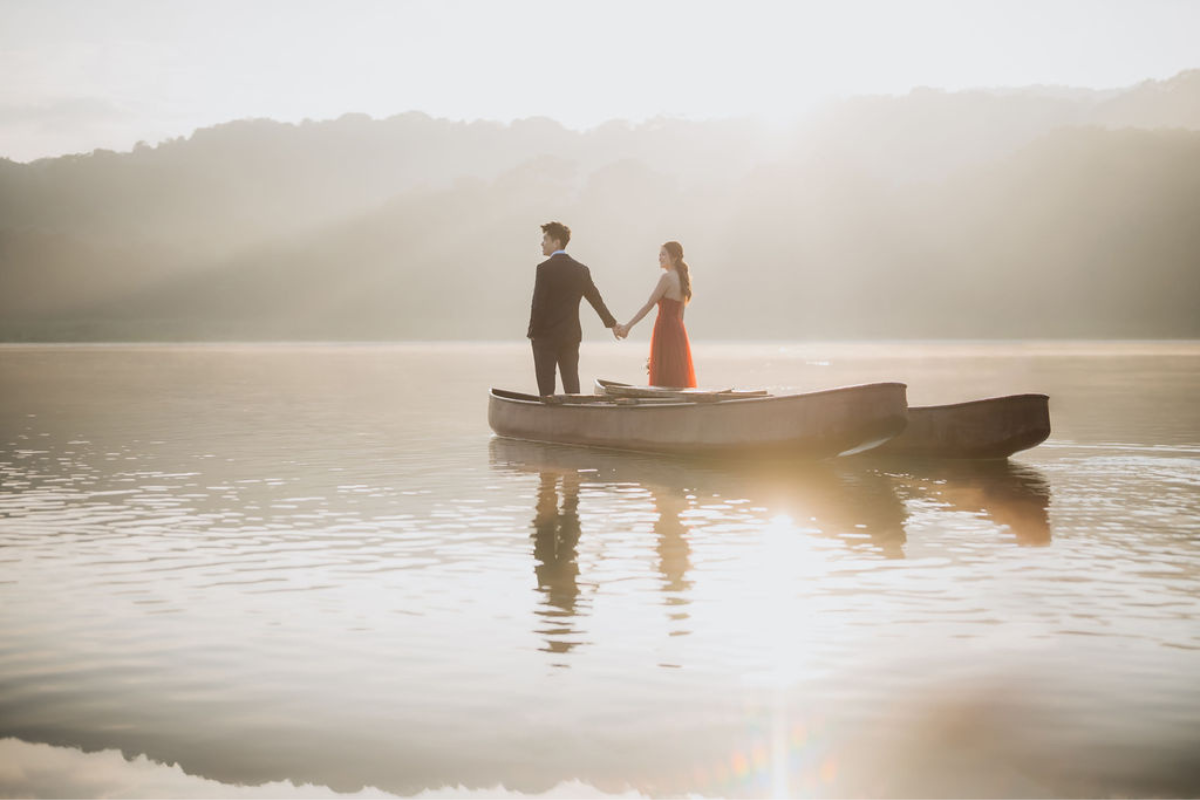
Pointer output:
555, 539
556, 534
554, 315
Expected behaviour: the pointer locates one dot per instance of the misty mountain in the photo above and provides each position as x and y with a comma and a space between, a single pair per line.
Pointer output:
251, 180
928, 133
990, 213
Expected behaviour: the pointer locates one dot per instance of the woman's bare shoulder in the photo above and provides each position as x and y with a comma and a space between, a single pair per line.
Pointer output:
673, 283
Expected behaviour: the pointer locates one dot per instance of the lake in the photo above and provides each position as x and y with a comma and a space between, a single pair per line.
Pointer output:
304, 570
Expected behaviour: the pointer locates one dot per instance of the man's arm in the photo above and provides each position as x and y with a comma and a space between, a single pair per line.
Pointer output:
593, 296
539, 294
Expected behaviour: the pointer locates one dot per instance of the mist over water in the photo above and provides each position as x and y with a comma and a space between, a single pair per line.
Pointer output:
249, 568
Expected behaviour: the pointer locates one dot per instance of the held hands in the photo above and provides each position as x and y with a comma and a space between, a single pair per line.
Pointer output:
620, 331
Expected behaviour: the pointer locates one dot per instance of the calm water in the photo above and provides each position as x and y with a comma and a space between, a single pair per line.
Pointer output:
238, 570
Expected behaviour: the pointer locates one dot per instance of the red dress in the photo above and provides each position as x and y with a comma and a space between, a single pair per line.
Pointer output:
670, 352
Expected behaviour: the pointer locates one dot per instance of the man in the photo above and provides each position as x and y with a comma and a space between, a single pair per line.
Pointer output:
554, 315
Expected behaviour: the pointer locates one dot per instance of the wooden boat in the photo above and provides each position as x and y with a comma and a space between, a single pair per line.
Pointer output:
812, 425
995, 427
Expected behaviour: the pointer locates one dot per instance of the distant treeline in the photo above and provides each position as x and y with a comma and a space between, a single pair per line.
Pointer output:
1035, 213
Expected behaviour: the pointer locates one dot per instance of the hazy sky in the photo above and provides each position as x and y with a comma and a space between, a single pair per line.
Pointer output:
79, 75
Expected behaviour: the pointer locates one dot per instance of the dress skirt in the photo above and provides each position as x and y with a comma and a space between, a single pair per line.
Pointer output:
670, 351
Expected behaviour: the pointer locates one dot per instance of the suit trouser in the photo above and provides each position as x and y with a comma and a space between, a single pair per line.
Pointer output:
549, 353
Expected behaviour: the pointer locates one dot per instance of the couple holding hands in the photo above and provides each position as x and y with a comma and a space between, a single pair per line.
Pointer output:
554, 316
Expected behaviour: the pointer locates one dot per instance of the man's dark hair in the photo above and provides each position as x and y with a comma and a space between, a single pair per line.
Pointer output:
556, 230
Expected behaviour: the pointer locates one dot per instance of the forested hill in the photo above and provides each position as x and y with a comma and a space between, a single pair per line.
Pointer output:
1017, 213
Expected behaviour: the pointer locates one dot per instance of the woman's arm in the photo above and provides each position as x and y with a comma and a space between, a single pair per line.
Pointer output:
659, 290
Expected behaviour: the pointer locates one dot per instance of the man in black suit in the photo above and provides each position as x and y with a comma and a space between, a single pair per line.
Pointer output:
554, 315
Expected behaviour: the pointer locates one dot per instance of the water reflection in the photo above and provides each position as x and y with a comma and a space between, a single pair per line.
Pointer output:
865, 505
556, 533
260, 567
859, 507
674, 550
1013, 495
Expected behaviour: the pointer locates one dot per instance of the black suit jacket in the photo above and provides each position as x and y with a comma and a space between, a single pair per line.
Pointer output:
554, 314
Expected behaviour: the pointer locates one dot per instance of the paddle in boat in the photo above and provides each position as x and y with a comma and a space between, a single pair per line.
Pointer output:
707, 423
616, 389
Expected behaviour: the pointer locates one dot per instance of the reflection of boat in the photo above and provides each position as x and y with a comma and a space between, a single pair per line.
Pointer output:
993, 428
835, 499
850, 500
813, 425
1016, 496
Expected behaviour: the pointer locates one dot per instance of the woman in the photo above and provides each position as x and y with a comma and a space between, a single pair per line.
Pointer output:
670, 352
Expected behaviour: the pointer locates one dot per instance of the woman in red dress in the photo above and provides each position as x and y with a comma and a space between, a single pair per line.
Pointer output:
670, 352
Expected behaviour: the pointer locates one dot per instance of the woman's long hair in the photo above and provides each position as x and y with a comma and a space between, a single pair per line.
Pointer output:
675, 251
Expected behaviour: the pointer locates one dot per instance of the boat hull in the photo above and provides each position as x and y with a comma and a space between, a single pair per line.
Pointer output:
813, 425
982, 429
